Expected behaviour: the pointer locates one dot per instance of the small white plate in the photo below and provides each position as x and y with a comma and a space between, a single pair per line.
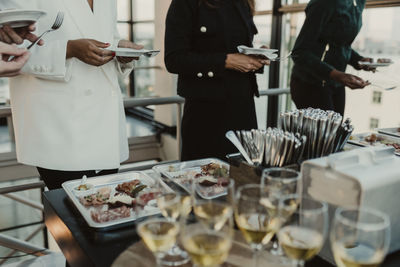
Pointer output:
269, 53
375, 64
129, 52
16, 18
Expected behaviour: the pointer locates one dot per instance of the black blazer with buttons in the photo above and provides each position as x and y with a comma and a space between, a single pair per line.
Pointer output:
197, 41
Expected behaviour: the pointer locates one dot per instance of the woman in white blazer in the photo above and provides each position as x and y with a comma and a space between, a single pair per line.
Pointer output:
67, 106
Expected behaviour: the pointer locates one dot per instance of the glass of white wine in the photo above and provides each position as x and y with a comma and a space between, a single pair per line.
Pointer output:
281, 181
360, 237
159, 235
213, 211
207, 242
256, 216
303, 234
172, 205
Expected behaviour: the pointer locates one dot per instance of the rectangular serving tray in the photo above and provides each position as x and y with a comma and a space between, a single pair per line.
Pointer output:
112, 181
390, 131
172, 171
358, 139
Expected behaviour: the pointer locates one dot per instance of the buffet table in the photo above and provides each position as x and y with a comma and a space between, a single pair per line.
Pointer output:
84, 246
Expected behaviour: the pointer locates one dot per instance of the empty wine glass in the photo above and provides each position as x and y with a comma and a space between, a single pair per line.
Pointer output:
283, 182
360, 237
303, 234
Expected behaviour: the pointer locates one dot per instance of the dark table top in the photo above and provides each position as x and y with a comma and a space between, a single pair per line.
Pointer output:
83, 246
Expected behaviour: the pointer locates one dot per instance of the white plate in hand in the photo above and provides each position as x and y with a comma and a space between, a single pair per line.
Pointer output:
129, 52
375, 64
269, 53
16, 18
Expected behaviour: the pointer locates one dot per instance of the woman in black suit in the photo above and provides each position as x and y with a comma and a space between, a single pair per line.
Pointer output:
217, 83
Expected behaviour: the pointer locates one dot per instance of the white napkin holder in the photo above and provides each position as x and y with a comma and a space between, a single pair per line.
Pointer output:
366, 177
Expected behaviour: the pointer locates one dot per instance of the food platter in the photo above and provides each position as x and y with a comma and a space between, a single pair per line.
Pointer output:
376, 139
110, 202
16, 18
214, 175
390, 131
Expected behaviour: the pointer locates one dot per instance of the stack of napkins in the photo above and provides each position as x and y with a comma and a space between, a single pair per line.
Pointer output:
264, 52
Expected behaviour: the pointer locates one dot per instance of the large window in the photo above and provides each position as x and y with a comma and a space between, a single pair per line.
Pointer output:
136, 23
379, 38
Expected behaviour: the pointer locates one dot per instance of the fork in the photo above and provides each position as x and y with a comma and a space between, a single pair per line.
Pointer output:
57, 24
282, 58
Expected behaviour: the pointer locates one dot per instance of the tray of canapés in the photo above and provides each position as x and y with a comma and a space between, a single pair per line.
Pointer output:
110, 201
376, 139
390, 131
211, 176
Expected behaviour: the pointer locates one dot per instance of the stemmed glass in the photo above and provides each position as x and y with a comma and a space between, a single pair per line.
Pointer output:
172, 205
256, 216
213, 211
360, 237
281, 181
207, 236
303, 234
159, 235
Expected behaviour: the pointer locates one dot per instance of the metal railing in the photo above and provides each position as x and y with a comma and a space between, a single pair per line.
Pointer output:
156, 101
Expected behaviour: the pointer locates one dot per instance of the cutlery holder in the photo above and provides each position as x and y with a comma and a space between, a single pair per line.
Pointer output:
244, 173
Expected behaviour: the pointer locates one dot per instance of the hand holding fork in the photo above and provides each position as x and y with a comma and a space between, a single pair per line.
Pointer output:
56, 25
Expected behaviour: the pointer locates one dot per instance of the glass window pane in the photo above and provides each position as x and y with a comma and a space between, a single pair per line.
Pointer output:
143, 33
144, 82
379, 38
143, 9
123, 29
123, 10
262, 5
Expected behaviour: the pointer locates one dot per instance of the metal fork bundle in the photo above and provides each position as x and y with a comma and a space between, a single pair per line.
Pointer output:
274, 147
324, 130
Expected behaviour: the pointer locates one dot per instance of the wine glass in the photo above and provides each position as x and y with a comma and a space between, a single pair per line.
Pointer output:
282, 181
172, 205
256, 216
159, 235
360, 237
207, 242
213, 211
302, 235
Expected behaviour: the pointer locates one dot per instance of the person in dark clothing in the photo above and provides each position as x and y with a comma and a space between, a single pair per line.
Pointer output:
217, 83
322, 52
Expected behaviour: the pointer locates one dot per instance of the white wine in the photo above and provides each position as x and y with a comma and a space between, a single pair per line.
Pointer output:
158, 235
170, 205
284, 212
213, 213
186, 205
207, 248
257, 228
354, 254
300, 243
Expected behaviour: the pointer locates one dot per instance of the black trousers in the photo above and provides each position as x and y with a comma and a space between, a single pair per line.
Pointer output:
307, 95
54, 178
205, 122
